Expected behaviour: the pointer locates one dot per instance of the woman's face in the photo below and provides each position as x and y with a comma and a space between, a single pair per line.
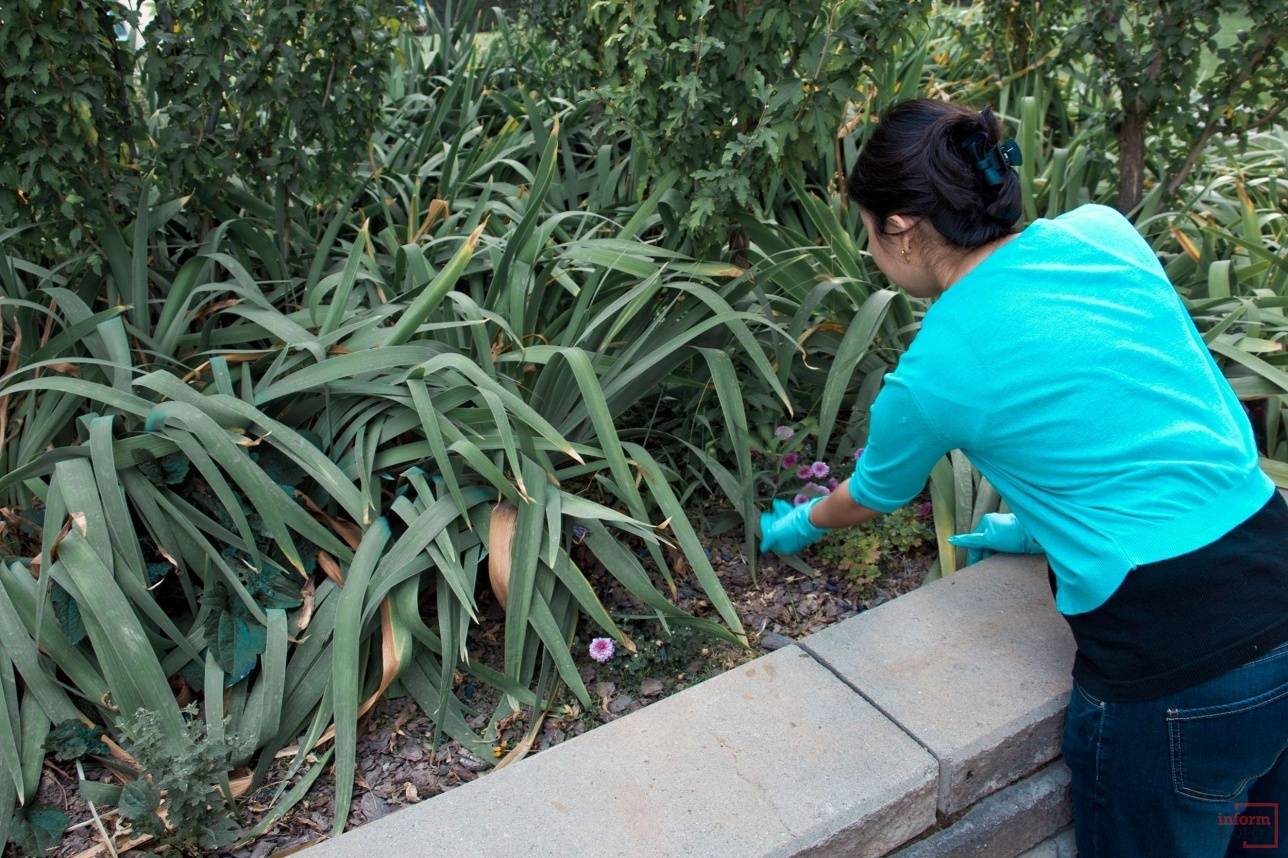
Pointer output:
911, 270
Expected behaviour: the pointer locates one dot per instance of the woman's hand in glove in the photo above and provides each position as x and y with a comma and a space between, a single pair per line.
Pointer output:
786, 529
997, 532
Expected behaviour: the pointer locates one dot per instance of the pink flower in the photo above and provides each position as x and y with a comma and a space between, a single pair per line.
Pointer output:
804, 472
800, 499
818, 469
790, 460
784, 433
816, 488
858, 452
832, 484
924, 509
601, 649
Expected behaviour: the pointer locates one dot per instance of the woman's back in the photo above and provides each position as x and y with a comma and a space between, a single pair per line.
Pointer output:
1068, 369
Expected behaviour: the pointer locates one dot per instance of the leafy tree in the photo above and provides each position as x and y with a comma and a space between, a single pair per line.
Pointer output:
282, 92
101, 103
70, 124
1150, 52
723, 97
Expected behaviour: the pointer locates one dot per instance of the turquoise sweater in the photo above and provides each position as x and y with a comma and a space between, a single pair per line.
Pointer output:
1068, 370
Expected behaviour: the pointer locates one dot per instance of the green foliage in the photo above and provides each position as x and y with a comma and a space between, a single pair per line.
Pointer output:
280, 92
234, 636
73, 739
468, 327
1150, 52
175, 797
1008, 39
70, 126
67, 613
726, 95
1167, 77
103, 104
861, 551
37, 829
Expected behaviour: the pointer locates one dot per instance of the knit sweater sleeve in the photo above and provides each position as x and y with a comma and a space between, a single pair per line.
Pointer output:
902, 447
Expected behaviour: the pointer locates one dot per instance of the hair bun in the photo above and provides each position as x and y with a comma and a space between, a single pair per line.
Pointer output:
937, 160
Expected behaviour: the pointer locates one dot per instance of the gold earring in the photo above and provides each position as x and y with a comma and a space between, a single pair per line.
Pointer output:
907, 255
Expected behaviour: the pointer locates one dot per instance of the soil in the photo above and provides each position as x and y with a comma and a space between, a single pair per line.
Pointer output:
397, 767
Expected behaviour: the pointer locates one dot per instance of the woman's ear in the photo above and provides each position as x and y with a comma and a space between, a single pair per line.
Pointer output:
898, 223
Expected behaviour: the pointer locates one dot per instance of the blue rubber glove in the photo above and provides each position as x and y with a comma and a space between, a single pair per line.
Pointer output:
786, 528
996, 532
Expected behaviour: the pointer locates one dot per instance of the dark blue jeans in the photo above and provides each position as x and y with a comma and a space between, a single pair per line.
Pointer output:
1202, 773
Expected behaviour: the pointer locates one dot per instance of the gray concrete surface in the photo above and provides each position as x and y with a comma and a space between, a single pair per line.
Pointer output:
776, 757
1006, 823
975, 666
1061, 845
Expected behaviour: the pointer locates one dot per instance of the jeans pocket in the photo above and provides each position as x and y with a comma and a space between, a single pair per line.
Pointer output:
1217, 750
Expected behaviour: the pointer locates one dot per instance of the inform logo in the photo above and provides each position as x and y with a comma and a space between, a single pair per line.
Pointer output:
1256, 824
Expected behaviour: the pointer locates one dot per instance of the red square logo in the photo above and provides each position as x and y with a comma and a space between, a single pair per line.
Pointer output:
1255, 823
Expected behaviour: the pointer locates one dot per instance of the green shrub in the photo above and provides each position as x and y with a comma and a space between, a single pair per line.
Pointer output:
102, 106
720, 98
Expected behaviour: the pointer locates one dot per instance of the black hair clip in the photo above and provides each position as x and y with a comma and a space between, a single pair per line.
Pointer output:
991, 162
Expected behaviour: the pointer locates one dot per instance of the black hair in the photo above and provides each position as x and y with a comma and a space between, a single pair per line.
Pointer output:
916, 163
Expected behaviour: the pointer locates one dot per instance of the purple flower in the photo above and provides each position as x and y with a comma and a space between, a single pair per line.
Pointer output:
819, 469
784, 433
858, 452
832, 484
804, 472
601, 649
800, 499
816, 488
579, 532
924, 509
790, 460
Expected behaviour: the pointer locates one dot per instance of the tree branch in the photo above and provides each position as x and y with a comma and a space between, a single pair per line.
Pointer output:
1252, 61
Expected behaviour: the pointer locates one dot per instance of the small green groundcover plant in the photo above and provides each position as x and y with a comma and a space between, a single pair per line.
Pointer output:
179, 783
859, 551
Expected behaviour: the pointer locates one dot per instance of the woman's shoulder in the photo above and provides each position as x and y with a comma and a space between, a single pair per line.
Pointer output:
1105, 231
1094, 212
1095, 217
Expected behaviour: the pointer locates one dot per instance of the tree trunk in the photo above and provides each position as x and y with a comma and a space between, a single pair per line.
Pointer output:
739, 241
1131, 158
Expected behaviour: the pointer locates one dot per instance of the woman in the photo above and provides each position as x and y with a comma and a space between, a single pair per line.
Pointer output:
1064, 364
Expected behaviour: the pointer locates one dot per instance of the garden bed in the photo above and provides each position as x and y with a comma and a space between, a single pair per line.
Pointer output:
396, 766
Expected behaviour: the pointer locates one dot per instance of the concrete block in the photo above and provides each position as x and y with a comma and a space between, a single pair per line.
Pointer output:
1059, 845
1065, 845
1045, 849
774, 758
1005, 823
975, 666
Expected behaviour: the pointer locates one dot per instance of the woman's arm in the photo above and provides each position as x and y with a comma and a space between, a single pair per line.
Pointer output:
839, 509
901, 449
